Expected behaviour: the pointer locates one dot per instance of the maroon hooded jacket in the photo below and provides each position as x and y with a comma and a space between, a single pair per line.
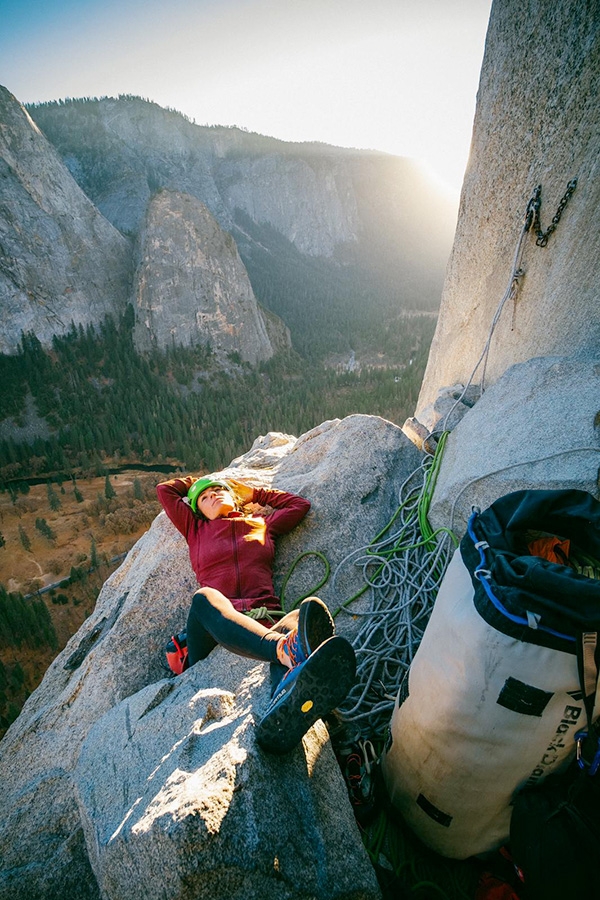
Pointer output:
234, 553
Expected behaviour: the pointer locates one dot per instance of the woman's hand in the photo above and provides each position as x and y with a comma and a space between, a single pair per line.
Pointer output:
244, 491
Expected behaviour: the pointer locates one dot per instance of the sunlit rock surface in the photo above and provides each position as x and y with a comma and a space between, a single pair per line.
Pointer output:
119, 782
191, 287
537, 427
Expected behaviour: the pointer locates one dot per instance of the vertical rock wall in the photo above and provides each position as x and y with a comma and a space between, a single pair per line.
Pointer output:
61, 261
537, 122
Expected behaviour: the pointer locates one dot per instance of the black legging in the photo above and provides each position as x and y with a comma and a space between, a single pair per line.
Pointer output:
213, 620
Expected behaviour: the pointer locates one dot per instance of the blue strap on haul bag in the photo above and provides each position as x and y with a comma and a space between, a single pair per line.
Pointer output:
492, 701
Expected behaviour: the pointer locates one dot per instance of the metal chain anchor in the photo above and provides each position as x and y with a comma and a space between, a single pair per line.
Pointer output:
532, 216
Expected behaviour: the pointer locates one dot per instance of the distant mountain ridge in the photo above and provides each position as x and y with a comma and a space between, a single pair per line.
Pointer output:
346, 236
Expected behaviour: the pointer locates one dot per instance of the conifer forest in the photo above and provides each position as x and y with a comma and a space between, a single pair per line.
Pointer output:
104, 403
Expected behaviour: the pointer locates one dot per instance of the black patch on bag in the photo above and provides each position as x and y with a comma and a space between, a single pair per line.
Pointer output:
433, 812
403, 691
523, 698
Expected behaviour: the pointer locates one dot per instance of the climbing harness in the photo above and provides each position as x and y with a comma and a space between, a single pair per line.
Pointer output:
176, 650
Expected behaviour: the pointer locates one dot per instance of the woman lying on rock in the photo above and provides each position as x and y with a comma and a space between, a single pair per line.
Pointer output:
232, 554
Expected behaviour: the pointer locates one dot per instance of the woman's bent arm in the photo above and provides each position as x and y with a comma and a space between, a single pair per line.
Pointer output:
171, 497
288, 509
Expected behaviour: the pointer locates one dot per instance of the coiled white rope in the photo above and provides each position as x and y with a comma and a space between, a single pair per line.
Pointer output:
402, 569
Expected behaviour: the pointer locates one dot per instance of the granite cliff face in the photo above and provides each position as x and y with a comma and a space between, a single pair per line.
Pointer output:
326, 235
191, 286
312, 202
61, 261
344, 206
536, 123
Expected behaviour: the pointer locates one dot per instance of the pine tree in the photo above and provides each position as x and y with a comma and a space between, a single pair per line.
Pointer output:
93, 554
24, 539
43, 527
109, 491
53, 498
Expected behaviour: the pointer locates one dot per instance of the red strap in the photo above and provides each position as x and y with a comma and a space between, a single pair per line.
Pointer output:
492, 888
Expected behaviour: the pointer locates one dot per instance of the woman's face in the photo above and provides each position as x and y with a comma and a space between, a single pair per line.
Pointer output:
215, 502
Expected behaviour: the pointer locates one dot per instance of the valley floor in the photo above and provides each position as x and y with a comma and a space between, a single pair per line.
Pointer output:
69, 532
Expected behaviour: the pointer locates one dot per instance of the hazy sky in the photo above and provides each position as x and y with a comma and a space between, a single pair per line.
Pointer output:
393, 75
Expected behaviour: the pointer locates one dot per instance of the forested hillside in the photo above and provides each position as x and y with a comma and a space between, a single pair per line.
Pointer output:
102, 406
104, 402
332, 309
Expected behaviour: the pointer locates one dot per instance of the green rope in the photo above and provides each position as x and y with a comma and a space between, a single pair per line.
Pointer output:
429, 535
427, 494
313, 590
263, 612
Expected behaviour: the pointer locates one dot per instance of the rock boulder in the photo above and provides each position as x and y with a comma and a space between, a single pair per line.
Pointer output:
537, 427
119, 782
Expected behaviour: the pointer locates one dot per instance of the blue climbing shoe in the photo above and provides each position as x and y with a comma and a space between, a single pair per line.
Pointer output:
306, 693
315, 625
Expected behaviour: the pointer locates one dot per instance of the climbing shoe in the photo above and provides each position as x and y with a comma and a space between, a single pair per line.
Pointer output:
309, 691
315, 625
